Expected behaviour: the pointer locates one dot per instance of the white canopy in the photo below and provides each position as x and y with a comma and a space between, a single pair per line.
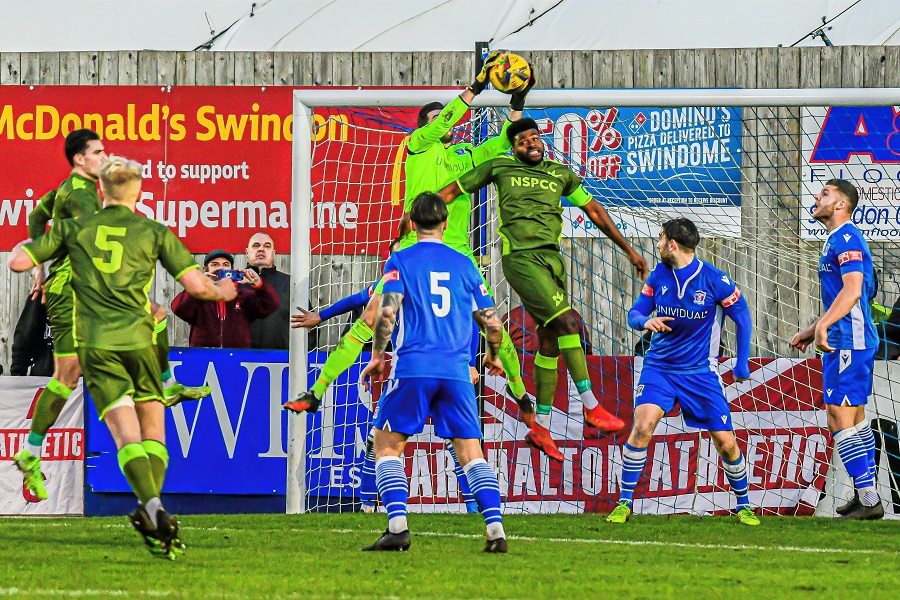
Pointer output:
440, 25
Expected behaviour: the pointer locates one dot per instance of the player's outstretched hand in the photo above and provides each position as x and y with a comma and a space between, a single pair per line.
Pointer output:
802, 339
37, 288
639, 264
474, 375
481, 79
517, 102
822, 339
375, 367
493, 365
305, 318
658, 324
742, 372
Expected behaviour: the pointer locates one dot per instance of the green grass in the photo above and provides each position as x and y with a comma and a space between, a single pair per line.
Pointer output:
558, 556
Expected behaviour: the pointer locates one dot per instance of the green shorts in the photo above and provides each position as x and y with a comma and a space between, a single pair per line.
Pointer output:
539, 278
111, 374
61, 313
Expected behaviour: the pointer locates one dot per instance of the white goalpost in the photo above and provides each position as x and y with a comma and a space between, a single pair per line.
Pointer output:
743, 164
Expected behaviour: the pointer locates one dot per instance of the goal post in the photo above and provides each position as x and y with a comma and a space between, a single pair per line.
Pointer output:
743, 163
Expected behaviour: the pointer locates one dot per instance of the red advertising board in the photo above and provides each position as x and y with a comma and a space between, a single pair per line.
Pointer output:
217, 161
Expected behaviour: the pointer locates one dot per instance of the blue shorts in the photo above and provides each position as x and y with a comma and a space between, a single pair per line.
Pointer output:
408, 402
700, 395
847, 376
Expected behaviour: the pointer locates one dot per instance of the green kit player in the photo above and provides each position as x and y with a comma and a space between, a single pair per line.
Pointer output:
529, 197
76, 196
433, 161
112, 256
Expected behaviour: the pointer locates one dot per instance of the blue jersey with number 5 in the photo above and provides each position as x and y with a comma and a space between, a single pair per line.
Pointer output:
441, 289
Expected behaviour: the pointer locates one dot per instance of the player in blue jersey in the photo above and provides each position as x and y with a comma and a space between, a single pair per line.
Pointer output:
846, 335
690, 298
368, 493
434, 291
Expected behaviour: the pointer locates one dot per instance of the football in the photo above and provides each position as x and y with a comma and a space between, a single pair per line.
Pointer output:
510, 74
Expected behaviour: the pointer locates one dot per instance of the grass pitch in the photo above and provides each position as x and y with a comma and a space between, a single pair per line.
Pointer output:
552, 556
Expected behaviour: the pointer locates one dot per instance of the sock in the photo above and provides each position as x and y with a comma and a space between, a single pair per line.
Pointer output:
511, 366
576, 363
633, 461
135, 465
35, 443
487, 494
343, 356
461, 477
545, 386
367, 491
159, 462
161, 339
853, 454
390, 477
49, 405
868, 440
153, 505
736, 472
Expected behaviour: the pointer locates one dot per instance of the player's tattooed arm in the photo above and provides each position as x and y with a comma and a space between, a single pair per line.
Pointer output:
387, 318
489, 322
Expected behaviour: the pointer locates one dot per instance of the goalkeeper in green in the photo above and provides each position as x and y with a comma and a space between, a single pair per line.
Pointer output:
432, 161
529, 198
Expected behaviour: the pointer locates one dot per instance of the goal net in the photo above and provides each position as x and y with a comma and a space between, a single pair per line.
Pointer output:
744, 165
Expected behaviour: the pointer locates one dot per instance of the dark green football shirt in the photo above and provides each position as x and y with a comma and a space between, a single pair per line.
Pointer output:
529, 199
43, 212
75, 197
113, 254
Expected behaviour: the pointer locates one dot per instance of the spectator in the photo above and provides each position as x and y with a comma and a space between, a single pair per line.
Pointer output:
523, 331
219, 324
888, 327
32, 348
272, 332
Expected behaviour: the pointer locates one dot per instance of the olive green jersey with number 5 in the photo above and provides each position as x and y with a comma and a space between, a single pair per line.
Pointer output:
113, 253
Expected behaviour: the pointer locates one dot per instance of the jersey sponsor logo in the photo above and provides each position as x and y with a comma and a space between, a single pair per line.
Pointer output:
460, 151
825, 267
699, 297
534, 182
483, 288
647, 290
730, 300
393, 275
849, 256
677, 311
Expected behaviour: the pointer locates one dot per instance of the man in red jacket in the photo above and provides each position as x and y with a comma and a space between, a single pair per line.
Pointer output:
216, 324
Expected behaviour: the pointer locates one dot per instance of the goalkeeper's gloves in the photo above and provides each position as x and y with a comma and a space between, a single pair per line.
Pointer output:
481, 80
517, 102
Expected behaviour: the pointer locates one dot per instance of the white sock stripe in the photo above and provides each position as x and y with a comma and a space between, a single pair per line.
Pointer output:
472, 463
735, 470
634, 455
844, 434
385, 460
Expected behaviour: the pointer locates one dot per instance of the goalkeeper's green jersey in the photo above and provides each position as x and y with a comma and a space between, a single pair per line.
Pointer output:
529, 199
430, 166
113, 253
75, 197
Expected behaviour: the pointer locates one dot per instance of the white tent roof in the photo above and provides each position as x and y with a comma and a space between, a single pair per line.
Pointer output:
440, 25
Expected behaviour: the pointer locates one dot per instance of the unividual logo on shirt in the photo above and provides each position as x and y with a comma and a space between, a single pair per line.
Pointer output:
683, 313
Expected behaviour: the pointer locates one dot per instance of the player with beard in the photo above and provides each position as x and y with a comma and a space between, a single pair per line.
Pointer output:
529, 197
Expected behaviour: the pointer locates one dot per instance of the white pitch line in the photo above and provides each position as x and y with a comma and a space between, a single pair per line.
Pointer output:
808, 550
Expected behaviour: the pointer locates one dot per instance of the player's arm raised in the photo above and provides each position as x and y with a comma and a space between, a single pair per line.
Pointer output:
599, 217
470, 182
736, 308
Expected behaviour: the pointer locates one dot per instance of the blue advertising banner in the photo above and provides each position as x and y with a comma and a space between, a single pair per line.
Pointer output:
235, 440
682, 159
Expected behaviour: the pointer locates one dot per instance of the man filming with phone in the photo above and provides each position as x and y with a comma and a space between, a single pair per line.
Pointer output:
216, 324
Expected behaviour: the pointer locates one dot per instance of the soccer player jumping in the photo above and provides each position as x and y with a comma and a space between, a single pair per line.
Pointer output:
433, 290
846, 335
689, 297
529, 196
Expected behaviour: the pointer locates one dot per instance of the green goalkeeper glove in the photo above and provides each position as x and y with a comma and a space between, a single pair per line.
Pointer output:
517, 101
481, 80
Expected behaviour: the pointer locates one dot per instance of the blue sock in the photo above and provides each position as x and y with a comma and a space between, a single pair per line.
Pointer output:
461, 477
868, 441
390, 477
367, 490
856, 460
487, 493
736, 472
633, 461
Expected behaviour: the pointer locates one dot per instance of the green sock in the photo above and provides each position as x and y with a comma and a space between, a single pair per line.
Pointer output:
545, 382
49, 405
510, 359
135, 465
159, 462
161, 339
343, 356
575, 361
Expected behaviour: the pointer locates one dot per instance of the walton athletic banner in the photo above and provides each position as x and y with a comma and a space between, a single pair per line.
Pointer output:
861, 145
217, 161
